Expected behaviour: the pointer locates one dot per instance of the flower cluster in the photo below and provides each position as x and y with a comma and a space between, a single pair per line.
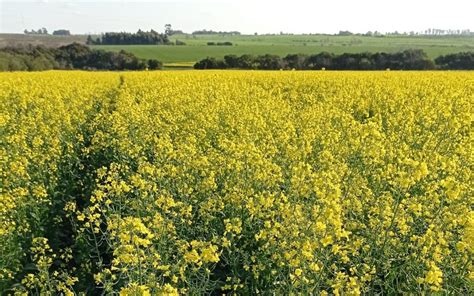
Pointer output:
341, 183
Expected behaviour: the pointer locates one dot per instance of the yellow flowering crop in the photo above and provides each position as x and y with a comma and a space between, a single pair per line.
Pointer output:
246, 182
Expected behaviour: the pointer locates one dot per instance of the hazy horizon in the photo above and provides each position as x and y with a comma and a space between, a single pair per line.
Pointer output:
298, 16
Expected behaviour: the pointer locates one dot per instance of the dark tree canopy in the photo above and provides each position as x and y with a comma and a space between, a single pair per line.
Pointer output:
72, 56
456, 61
211, 32
62, 33
226, 43
41, 31
124, 38
406, 60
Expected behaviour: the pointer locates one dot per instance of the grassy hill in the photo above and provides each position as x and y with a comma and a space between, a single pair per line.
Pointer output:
196, 47
48, 40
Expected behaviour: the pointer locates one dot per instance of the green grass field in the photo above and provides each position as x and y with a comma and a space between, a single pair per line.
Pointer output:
196, 47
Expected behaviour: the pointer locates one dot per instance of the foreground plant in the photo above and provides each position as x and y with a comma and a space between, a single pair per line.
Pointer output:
237, 182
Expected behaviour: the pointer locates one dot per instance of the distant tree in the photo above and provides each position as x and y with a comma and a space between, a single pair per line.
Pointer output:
231, 61
345, 33
319, 61
89, 40
415, 59
378, 34
141, 37
209, 63
210, 32
72, 56
406, 60
247, 61
295, 61
456, 61
345, 61
226, 43
154, 64
41, 31
62, 32
176, 32
269, 62
168, 29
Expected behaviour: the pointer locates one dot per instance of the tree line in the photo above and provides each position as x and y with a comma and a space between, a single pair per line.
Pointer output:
413, 59
72, 56
456, 61
44, 31
226, 43
428, 32
125, 38
211, 32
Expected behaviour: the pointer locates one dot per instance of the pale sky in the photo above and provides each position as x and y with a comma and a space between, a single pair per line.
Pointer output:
247, 16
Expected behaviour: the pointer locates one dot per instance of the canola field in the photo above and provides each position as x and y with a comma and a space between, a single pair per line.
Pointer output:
236, 182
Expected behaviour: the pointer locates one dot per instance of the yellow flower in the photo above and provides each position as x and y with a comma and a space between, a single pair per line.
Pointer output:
209, 254
298, 272
192, 256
